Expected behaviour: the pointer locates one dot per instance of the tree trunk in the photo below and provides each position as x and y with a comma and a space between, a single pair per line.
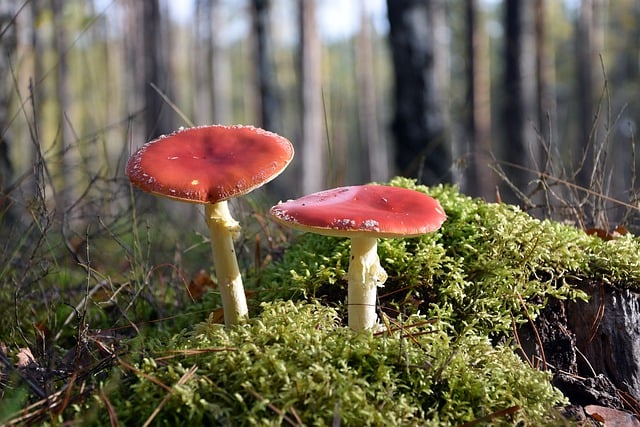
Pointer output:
8, 44
423, 148
592, 348
312, 140
520, 106
545, 76
221, 65
203, 62
66, 151
479, 180
371, 136
145, 67
269, 101
589, 45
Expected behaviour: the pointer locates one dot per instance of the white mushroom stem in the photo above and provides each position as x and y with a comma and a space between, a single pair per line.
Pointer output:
364, 276
223, 229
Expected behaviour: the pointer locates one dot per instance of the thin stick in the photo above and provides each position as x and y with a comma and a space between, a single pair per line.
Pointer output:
186, 377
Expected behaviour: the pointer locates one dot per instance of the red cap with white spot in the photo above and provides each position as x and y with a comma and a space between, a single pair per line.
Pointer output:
208, 164
374, 210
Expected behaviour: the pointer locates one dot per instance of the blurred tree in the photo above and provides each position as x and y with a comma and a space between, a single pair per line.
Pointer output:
479, 179
371, 134
65, 184
422, 143
222, 81
203, 62
590, 81
44, 115
545, 74
269, 100
621, 54
146, 66
312, 143
8, 44
212, 65
520, 107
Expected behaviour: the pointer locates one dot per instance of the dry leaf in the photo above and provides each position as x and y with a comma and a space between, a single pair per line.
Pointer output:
199, 284
25, 358
611, 417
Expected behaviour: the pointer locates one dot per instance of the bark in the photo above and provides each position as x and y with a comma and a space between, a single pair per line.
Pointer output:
480, 180
522, 149
607, 330
422, 144
269, 100
592, 347
545, 76
312, 140
203, 62
8, 44
221, 65
371, 135
66, 150
145, 67
589, 79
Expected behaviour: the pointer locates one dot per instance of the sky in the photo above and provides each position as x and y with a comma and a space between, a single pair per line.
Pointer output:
337, 19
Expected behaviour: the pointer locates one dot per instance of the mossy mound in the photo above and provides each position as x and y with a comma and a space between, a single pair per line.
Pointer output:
295, 363
446, 357
490, 265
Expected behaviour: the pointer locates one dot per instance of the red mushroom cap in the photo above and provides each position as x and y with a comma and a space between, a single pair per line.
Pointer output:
209, 164
365, 210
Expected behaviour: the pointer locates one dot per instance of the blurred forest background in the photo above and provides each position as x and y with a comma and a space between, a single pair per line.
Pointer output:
522, 101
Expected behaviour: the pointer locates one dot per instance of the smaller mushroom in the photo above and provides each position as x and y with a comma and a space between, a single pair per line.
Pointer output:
209, 165
363, 213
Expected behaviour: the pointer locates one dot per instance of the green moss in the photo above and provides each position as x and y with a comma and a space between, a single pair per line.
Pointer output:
489, 265
455, 295
296, 361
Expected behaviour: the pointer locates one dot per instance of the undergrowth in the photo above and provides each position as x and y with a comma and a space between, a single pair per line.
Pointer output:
446, 356
296, 365
488, 265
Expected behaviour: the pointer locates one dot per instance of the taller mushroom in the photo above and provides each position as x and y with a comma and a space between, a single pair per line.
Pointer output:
209, 165
363, 213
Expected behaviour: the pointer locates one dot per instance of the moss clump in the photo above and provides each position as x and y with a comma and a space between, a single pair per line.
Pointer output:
296, 362
452, 296
489, 265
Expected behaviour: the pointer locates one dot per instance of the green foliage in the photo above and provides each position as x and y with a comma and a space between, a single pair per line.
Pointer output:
453, 297
295, 361
488, 266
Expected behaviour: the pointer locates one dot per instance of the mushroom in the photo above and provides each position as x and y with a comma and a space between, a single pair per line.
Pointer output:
209, 165
363, 213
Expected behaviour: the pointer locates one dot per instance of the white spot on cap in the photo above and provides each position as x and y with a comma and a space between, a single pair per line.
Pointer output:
371, 224
195, 182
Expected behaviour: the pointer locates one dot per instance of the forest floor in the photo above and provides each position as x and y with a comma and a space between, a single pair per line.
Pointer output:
497, 317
